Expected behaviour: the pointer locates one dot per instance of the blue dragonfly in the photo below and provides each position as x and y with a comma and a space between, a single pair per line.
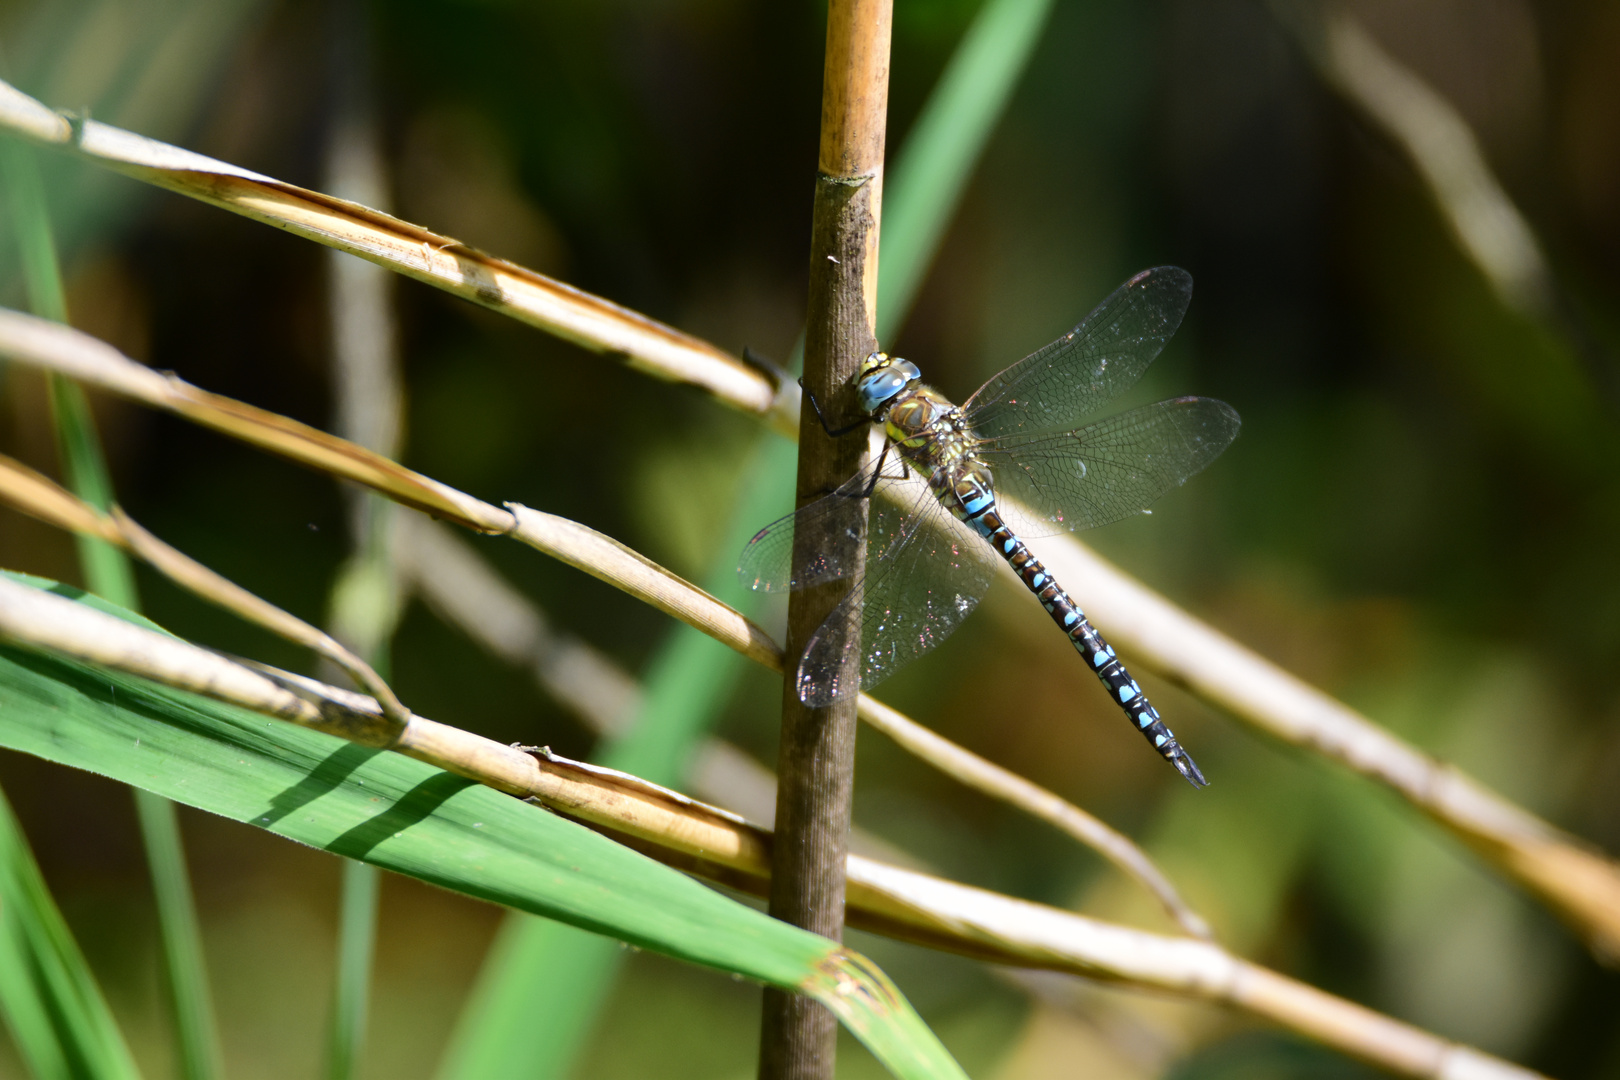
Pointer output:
1017, 436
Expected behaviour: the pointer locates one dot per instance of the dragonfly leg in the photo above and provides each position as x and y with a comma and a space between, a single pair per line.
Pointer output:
832, 433
877, 473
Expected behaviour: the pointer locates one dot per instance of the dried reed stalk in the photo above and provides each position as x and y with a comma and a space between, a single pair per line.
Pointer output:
589, 321
718, 845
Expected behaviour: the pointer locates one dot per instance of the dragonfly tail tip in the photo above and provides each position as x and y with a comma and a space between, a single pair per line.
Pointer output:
1186, 767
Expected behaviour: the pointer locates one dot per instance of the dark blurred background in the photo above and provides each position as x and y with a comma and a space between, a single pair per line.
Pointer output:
1421, 516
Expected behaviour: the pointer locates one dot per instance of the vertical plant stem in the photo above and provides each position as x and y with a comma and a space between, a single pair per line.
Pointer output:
357, 936
107, 572
367, 596
182, 937
59, 1022
816, 761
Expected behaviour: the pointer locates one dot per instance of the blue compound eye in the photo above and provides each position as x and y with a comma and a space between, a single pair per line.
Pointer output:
884, 382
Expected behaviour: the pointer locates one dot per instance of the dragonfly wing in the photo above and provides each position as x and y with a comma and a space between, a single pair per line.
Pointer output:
1060, 385
925, 573
1105, 471
766, 564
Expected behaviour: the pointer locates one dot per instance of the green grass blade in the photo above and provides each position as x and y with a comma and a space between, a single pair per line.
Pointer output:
925, 185
402, 815
105, 568
53, 1008
107, 572
195, 1028
365, 610
357, 937
537, 999
42, 274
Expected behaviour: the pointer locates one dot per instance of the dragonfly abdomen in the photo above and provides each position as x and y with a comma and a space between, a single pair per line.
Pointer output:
1099, 655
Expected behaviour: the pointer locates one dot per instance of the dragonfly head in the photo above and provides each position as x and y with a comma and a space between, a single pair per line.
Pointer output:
881, 378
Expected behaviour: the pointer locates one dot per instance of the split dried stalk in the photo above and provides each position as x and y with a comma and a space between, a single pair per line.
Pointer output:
702, 839
91, 362
589, 321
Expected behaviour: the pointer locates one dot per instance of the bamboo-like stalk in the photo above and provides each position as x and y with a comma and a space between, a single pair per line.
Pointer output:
816, 753
1578, 882
701, 839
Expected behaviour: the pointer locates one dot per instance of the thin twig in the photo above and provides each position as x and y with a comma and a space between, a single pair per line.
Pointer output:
718, 845
969, 768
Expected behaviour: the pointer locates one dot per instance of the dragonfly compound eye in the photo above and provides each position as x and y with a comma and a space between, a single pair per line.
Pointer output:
882, 377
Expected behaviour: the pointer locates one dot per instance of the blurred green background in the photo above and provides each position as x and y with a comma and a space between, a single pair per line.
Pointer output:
1421, 516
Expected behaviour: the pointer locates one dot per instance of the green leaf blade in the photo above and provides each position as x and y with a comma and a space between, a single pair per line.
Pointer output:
406, 816
57, 1017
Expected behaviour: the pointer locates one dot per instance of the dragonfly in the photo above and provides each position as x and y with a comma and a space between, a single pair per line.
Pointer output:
955, 488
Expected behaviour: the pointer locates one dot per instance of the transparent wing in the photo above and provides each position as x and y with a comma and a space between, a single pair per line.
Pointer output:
1105, 471
766, 564
925, 573
1060, 385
